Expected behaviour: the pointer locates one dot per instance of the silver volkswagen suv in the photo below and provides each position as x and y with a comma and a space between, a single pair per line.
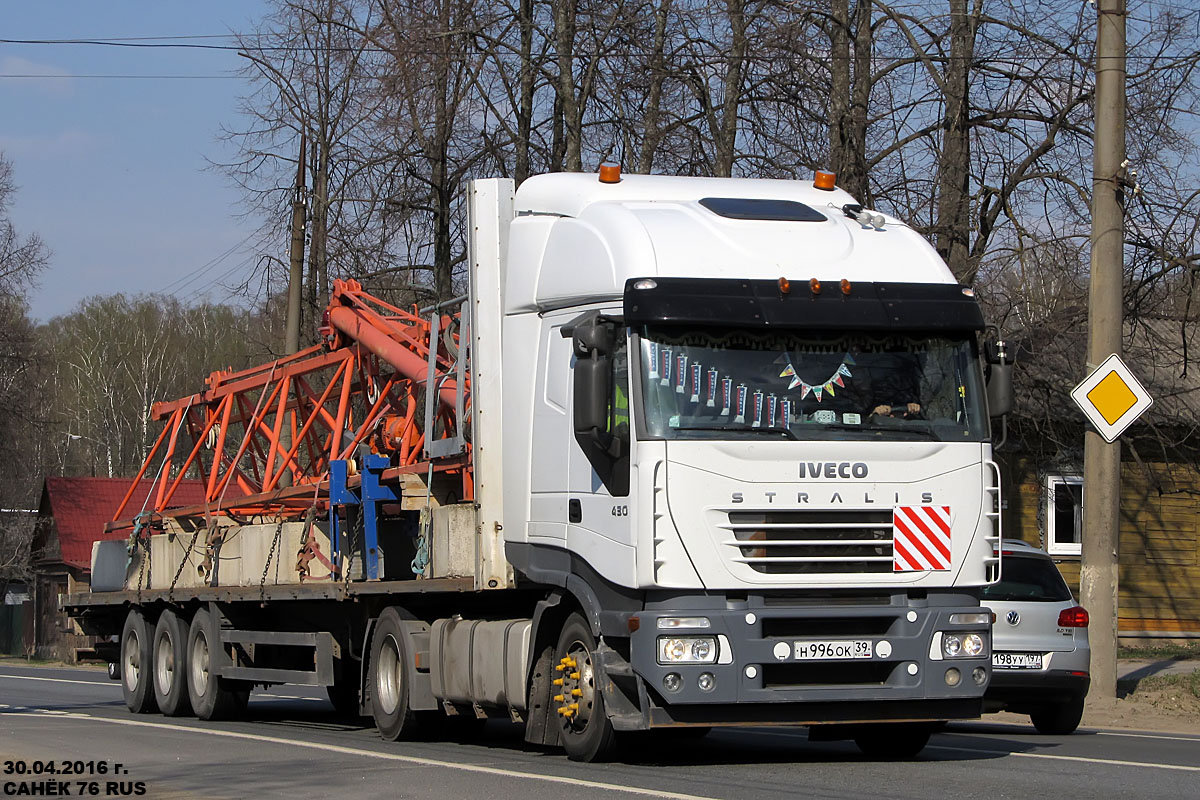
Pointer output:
1040, 652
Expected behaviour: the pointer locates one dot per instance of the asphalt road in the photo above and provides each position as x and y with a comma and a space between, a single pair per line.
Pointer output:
294, 747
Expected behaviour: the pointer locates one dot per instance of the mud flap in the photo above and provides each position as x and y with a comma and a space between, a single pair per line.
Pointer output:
625, 700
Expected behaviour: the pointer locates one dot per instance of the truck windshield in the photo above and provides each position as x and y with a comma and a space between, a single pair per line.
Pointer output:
715, 384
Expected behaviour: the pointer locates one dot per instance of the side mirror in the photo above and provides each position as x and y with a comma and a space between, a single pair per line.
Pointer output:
999, 378
592, 344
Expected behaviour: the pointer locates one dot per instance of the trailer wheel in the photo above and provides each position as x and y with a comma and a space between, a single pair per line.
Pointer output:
586, 732
211, 697
170, 656
136, 660
388, 678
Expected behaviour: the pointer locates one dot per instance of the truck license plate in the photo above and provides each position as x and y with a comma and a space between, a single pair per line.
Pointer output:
1017, 660
829, 650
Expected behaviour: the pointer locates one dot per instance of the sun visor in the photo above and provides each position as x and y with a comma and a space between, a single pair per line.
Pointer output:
779, 304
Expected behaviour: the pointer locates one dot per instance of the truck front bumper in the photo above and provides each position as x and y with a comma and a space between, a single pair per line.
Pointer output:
809, 660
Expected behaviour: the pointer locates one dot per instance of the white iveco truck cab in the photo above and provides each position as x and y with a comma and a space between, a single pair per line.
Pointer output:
746, 432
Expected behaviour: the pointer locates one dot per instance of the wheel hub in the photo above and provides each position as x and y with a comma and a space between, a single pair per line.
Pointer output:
575, 688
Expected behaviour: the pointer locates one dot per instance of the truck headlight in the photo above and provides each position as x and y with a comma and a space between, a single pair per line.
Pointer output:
961, 645
687, 649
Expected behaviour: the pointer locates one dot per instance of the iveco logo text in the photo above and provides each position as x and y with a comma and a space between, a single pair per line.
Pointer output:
832, 469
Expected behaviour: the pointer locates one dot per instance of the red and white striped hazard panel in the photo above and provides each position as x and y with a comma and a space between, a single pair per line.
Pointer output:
921, 538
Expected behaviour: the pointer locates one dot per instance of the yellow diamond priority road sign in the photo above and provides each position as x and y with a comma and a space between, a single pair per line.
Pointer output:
1112, 398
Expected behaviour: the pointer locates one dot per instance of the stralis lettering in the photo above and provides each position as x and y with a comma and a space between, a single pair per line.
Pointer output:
803, 498
832, 469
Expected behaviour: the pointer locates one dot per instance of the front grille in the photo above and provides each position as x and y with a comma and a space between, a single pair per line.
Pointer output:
811, 542
826, 627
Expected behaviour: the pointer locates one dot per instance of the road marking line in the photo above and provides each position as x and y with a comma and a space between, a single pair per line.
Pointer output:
59, 680
350, 751
1082, 759
1150, 736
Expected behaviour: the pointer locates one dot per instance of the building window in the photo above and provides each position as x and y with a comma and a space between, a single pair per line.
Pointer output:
1064, 514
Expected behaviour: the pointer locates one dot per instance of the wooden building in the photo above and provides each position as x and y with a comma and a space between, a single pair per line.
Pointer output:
1159, 568
71, 516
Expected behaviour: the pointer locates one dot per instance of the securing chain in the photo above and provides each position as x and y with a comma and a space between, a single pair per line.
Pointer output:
262, 583
420, 562
356, 531
186, 556
307, 551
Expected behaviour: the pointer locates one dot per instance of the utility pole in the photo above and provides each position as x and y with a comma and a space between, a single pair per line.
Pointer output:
1101, 460
295, 281
296, 276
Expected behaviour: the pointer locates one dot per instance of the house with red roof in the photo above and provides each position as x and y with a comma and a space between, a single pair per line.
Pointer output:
72, 514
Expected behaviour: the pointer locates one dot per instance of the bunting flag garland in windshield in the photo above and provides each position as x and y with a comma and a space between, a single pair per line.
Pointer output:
666, 366
712, 388
826, 386
726, 395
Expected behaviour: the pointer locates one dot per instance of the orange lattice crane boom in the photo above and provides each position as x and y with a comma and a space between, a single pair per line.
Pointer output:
262, 439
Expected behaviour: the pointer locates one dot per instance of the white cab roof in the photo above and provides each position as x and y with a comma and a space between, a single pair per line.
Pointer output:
577, 240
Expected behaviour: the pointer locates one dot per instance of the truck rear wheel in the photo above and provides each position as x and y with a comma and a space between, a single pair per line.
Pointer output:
585, 730
388, 678
170, 656
211, 696
136, 660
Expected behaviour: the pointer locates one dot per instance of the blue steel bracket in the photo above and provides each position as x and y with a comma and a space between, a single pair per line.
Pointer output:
371, 492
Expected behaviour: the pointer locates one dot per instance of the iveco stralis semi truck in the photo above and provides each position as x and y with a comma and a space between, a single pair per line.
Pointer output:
730, 463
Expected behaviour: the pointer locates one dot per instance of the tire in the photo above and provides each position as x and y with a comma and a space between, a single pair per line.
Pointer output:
211, 697
114, 670
585, 731
388, 678
136, 661
1058, 719
170, 659
896, 740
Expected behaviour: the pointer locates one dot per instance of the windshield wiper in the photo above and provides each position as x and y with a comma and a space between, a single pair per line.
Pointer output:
737, 428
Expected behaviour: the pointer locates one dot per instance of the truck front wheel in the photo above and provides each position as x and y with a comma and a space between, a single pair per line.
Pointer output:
136, 663
585, 730
388, 678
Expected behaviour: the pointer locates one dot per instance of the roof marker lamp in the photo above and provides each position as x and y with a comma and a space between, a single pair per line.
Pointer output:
845, 284
785, 286
645, 283
814, 286
825, 180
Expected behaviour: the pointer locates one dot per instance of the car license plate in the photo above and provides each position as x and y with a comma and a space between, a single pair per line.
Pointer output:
830, 650
1017, 660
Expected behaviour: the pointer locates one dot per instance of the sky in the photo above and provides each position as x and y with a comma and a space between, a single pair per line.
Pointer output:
112, 172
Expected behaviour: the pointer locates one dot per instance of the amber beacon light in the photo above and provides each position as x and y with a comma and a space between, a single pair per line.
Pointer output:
825, 180
610, 173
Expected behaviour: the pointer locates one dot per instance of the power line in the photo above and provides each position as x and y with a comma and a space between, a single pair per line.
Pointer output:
124, 77
184, 280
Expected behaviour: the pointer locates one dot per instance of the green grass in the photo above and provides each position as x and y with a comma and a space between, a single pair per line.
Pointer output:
1188, 683
1160, 652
